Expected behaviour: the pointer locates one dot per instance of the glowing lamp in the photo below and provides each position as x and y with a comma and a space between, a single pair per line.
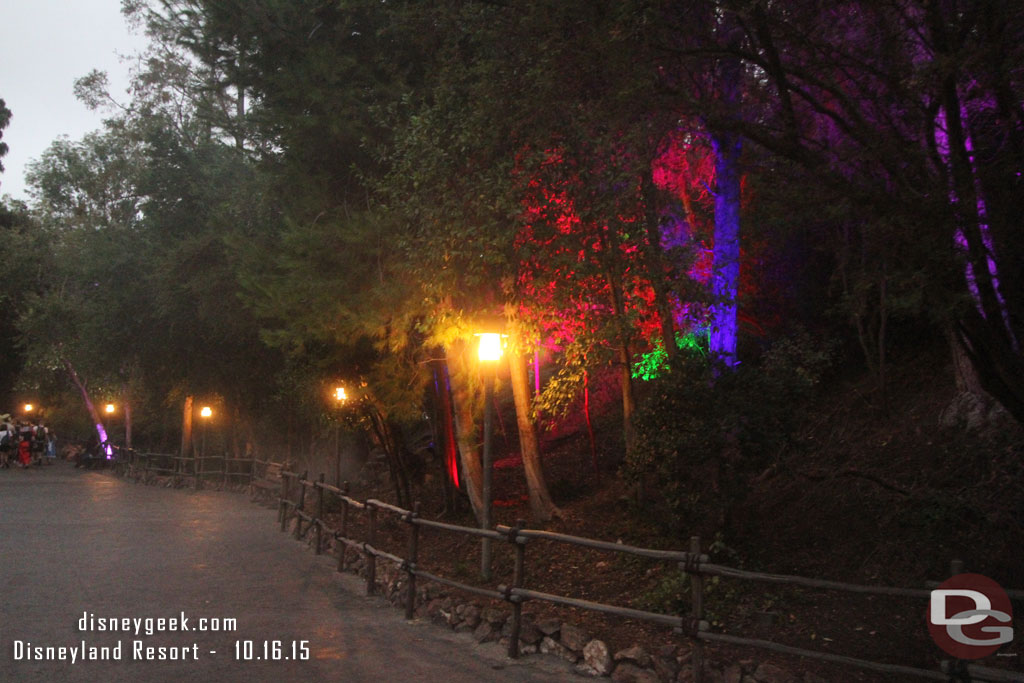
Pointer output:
490, 346
340, 395
110, 408
205, 411
29, 407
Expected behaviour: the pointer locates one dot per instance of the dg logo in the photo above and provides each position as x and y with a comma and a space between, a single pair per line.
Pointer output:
970, 616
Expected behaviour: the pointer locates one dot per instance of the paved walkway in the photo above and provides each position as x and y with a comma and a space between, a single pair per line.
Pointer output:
75, 544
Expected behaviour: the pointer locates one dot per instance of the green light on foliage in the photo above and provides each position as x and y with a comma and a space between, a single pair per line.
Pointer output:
654, 363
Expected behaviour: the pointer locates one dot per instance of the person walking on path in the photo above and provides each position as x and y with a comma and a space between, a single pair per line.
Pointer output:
24, 450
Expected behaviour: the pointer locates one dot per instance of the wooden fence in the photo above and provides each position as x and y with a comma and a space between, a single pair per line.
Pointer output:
193, 470
304, 500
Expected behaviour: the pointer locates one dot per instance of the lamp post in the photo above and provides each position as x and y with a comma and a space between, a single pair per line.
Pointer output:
489, 353
29, 408
109, 409
340, 397
206, 413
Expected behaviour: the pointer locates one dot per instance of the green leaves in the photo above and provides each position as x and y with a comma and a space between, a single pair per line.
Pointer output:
5, 120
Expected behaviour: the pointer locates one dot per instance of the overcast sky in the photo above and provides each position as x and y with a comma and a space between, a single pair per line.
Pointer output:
44, 46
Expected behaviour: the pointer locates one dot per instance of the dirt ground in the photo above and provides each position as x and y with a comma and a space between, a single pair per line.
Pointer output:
864, 495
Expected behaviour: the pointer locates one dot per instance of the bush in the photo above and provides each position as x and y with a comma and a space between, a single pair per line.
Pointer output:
702, 433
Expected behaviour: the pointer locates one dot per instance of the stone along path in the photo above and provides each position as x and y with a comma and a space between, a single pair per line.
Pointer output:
91, 564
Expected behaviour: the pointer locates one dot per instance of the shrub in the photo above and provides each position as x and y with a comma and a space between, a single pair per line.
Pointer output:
702, 432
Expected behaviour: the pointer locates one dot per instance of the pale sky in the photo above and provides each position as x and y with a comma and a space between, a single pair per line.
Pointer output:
44, 46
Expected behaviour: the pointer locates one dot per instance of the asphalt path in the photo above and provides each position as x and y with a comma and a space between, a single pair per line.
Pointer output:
80, 550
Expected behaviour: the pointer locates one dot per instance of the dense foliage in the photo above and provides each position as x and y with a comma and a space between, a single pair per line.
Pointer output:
302, 193
703, 433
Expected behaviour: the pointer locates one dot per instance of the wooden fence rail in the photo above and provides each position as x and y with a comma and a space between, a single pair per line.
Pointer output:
193, 469
293, 501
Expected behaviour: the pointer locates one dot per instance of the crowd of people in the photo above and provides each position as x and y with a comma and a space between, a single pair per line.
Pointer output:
23, 443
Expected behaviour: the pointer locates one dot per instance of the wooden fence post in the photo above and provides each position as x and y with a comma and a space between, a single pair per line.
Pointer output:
371, 559
319, 514
697, 611
343, 532
957, 668
518, 577
282, 509
301, 506
410, 563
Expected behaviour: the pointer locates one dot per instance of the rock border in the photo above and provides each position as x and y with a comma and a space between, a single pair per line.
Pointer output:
588, 655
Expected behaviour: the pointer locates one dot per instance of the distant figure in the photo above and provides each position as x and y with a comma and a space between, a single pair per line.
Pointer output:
25, 450
6, 444
39, 443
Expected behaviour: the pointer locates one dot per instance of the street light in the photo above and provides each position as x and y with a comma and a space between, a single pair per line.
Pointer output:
489, 353
29, 407
206, 413
110, 409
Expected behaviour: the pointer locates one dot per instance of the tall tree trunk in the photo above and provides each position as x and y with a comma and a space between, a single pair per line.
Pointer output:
628, 398
656, 268
986, 333
236, 431
93, 413
127, 398
445, 432
541, 506
590, 425
725, 269
624, 357
964, 374
127, 424
393, 450
240, 119
186, 427
465, 428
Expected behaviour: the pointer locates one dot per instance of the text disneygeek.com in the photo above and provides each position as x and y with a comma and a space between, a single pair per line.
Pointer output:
138, 649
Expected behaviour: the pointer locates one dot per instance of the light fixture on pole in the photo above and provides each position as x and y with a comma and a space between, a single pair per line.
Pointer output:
340, 396
206, 413
29, 408
489, 353
110, 408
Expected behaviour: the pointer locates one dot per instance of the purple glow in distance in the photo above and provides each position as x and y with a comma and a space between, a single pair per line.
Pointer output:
103, 440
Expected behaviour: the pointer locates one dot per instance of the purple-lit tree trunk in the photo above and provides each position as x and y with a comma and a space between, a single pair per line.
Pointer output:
93, 413
725, 271
988, 331
725, 268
